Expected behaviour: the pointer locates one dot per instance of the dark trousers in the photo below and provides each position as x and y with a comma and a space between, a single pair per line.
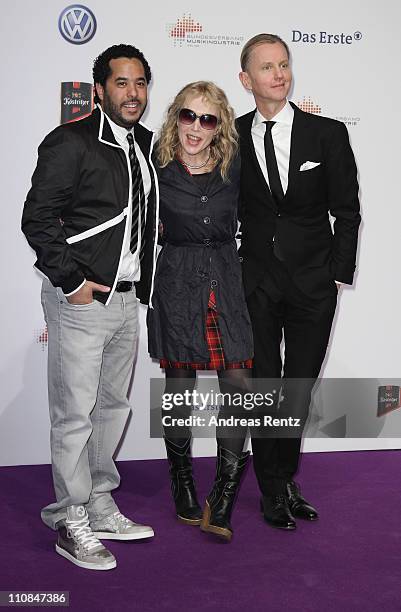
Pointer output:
304, 324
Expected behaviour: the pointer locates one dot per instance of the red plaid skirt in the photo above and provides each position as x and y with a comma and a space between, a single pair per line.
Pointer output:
217, 360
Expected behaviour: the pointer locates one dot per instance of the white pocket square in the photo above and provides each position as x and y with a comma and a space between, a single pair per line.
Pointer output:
308, 165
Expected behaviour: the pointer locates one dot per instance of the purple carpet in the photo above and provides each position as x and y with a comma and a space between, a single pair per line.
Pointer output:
349, 560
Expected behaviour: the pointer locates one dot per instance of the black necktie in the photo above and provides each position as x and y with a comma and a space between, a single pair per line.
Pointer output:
276, 187
138, 199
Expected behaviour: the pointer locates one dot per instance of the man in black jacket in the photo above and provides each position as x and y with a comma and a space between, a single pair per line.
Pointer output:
297, 169
90, 215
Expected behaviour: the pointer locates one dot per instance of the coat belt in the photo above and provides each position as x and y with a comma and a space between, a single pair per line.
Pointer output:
207, 242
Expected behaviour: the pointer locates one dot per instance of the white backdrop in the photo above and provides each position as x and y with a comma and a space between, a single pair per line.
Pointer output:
355, 80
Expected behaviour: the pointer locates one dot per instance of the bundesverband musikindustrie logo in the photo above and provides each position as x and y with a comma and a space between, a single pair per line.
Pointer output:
310, 106
188, 31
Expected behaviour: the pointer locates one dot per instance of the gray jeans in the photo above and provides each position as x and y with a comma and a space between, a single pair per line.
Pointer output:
90, 359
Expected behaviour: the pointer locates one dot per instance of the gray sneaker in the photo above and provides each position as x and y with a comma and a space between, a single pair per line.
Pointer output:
77, 543
118, 527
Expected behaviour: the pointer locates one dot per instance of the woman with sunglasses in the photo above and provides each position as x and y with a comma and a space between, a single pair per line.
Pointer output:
198, 319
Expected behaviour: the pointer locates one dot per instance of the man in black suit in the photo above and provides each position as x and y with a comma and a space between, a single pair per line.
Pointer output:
297, 170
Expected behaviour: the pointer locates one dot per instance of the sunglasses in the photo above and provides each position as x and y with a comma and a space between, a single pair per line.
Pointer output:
207, 122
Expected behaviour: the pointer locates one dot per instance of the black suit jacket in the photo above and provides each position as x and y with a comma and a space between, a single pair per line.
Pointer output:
75, 213
314, 254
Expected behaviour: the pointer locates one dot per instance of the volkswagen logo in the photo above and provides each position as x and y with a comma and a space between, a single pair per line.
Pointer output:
77, 24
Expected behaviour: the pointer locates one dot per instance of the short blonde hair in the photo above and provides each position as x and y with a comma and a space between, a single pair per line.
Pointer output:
225, 142
257, 40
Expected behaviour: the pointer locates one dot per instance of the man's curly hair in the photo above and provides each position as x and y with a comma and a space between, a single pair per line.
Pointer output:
101, 65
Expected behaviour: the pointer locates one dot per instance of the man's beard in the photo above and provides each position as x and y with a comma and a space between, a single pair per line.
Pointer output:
115, 114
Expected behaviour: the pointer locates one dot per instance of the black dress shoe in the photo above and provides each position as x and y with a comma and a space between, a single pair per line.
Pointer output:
276, 512
298, 505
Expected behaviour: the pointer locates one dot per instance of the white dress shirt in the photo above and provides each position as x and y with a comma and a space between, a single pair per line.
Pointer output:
130, 269
281, 135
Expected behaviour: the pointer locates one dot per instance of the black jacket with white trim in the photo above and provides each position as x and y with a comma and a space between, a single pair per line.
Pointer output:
75, 214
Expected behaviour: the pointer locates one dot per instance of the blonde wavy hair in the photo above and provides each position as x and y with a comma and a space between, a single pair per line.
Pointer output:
225, 142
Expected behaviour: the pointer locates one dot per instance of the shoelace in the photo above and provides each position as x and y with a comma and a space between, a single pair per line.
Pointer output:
293, 492
280, 499
121, 517
84, 534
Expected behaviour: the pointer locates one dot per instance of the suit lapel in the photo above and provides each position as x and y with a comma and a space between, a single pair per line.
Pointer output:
246, 134
143, 136
299, 136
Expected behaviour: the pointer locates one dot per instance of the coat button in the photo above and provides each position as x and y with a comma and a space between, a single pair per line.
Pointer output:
279, 214
241, 259
206, 220
213, 284
204, 199
206, 241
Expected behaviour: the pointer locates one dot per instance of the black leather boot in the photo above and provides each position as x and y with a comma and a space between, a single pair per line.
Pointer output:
182, 483
220, 502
